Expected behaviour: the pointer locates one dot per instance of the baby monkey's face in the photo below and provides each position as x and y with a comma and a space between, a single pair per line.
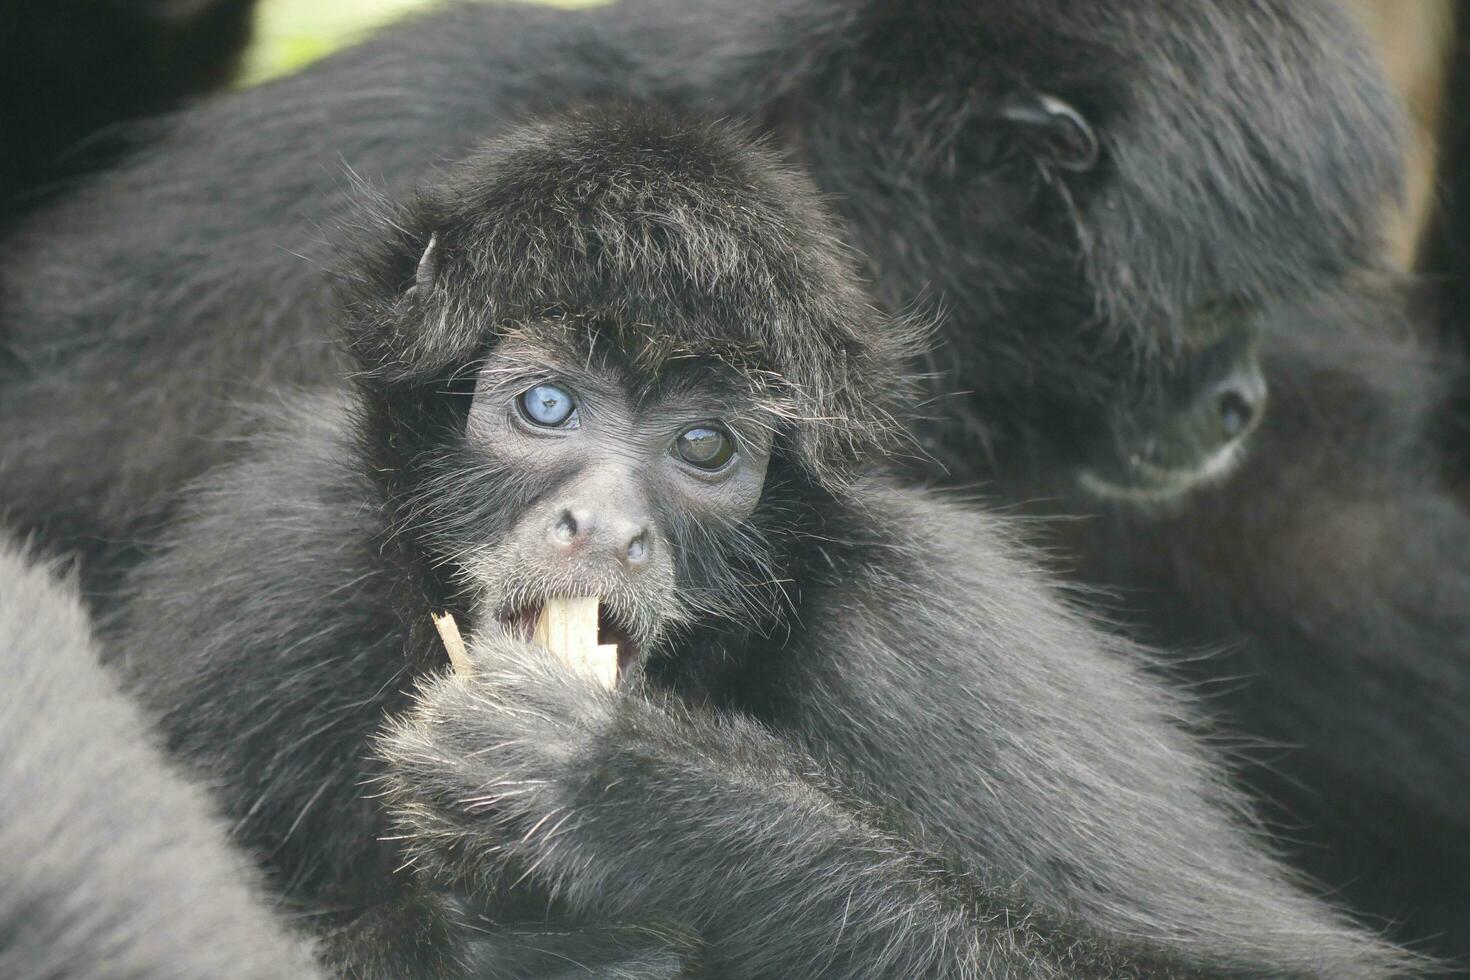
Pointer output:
618, 473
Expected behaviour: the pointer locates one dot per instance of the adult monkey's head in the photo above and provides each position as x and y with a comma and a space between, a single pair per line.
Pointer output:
614, 355
1100, 196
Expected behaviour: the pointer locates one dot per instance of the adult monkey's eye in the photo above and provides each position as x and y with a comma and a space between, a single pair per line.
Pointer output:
547, 405
705, 447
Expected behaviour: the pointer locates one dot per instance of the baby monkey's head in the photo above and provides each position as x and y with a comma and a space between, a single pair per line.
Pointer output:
621, 356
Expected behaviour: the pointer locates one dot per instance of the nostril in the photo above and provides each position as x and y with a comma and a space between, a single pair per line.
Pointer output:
1237, 412
565, 528
638, 548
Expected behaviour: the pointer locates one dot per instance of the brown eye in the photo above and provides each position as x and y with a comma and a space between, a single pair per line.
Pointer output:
705, 447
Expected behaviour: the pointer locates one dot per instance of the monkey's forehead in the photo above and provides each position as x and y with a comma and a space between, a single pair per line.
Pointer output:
640, 358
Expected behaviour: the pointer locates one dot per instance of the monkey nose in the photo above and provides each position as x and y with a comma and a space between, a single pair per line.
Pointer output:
580, 529
637, 549
1237, 403
570, 527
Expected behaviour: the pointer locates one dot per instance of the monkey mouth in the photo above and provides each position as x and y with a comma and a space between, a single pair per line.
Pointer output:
613, 629
1146, 484
521, 623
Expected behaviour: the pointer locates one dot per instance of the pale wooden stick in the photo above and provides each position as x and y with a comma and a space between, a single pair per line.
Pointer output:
459, 657
568, 628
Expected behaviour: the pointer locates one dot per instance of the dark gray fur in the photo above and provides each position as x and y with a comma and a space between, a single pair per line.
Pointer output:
1326, 589
151, 301
71, 71
1246, 149
891, 752
114, 868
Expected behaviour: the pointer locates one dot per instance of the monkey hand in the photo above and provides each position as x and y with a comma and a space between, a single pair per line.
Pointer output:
483, 758
526, 765
632, 808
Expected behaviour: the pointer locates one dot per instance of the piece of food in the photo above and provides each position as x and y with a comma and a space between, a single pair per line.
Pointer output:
448, 629
568, 628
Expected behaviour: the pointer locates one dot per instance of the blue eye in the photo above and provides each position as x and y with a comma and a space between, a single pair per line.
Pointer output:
547, 405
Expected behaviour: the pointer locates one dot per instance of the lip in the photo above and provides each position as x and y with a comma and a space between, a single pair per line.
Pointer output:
1149, 484
612, 629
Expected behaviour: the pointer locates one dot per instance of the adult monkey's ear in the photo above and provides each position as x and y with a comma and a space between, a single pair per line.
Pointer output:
1054, 129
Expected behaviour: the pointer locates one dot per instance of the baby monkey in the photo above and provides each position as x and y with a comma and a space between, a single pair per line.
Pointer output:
851, 733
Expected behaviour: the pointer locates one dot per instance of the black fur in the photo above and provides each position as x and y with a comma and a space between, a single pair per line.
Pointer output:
1444, 253
114, 866
880, 747
1244, 152
1329, 580
69, 68
1070, 295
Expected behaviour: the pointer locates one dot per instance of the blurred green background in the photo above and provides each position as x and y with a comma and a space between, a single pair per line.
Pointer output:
291, 33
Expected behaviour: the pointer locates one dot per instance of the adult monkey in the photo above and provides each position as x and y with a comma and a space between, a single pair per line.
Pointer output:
115, 868
1330, 581
1097, 193
854, 734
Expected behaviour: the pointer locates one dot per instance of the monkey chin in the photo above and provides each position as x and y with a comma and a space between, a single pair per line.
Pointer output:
612, 629
1146, 486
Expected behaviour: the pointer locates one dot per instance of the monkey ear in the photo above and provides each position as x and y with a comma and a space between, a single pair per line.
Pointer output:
1056, 129
427, 271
